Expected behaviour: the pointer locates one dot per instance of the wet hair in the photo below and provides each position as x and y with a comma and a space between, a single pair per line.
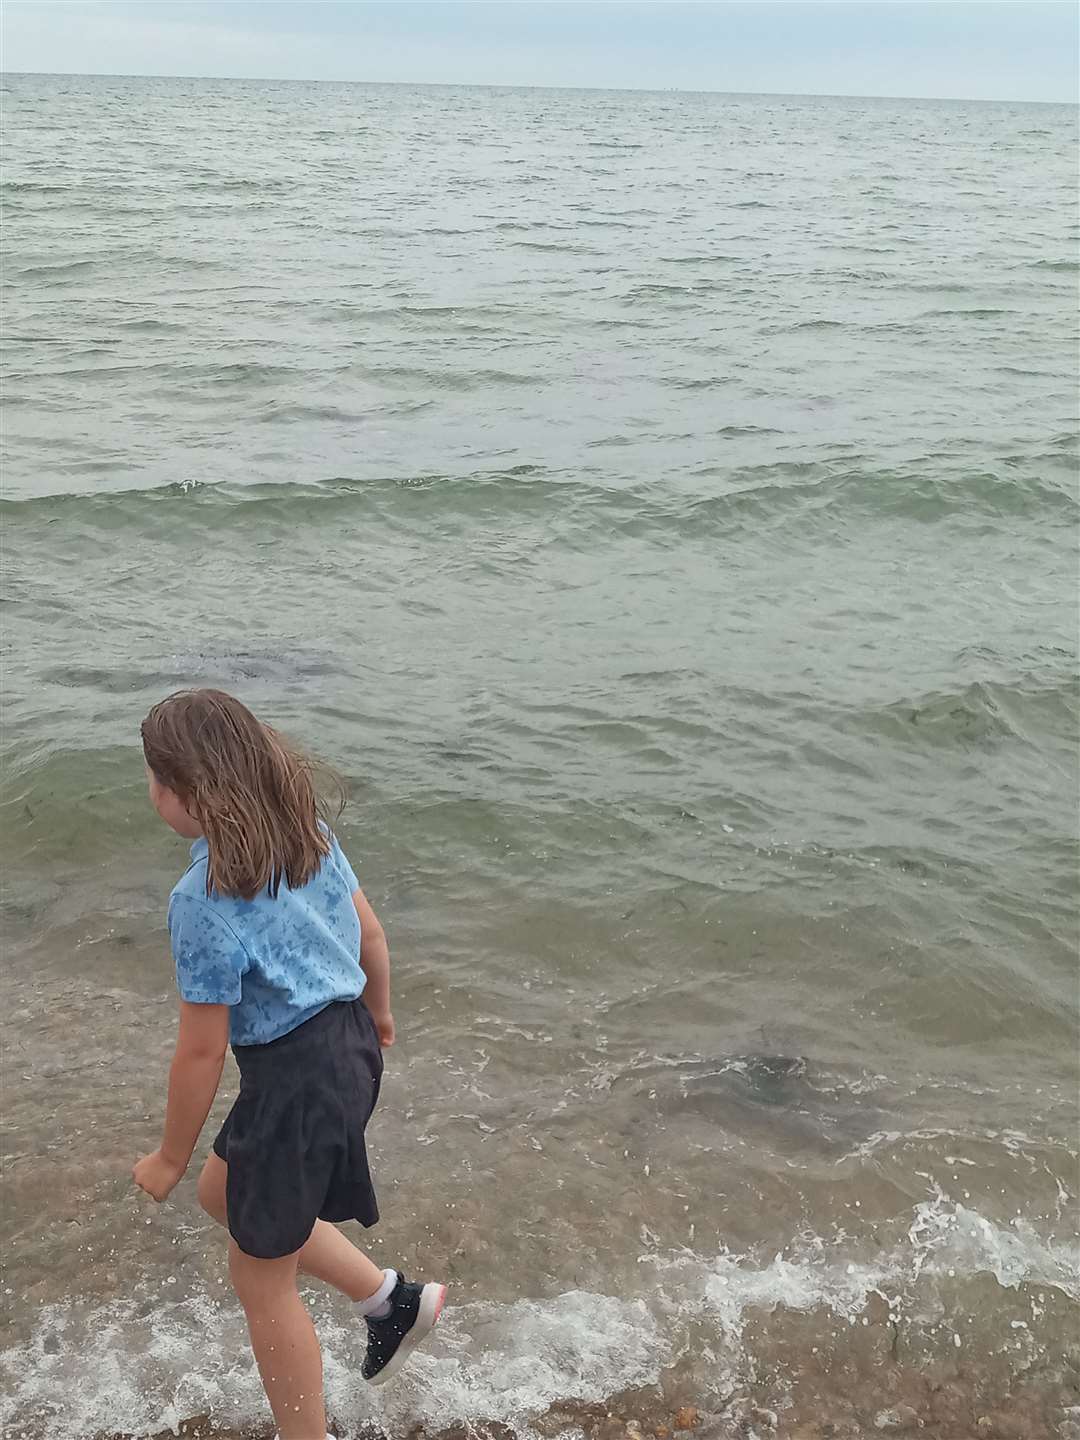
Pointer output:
253, 794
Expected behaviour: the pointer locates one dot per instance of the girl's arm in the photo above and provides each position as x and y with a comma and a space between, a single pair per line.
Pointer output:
375, 958
193, 1083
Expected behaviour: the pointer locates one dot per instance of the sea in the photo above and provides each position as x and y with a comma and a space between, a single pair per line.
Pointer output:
661, 509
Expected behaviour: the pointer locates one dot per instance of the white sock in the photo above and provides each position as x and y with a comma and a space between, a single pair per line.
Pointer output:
377, 1306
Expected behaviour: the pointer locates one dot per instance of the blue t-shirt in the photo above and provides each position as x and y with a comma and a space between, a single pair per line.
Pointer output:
276, 961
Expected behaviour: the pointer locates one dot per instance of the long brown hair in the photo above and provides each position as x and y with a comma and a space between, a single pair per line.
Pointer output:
252, 793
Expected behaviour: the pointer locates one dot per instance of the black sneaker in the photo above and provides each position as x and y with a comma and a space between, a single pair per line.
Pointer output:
414, 1309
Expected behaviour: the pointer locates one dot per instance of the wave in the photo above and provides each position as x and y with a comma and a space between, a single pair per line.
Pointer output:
701, 259
240, 183
148, 326
196, 377
952, 1279
421, 315
65, 270
61, 270
512, 1361
660, 291
218, 665
933, 287
464, 380
34, 187
732, 432
962, 314
806, 490
980, 713
808, 487
553, 247
285, 414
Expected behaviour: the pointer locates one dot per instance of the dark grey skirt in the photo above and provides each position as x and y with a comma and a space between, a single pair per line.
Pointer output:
294, 1138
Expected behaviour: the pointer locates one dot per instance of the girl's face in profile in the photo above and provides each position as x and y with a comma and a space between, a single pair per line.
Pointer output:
171, 808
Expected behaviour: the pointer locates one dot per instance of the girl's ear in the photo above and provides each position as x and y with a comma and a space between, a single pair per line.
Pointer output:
173, 810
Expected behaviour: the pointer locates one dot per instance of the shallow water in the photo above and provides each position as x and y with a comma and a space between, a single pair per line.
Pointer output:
662, 508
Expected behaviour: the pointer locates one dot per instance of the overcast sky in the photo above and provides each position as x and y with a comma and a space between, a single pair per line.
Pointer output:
1006, 51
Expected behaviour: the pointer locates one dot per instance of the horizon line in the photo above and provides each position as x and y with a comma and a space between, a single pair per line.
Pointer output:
489, 85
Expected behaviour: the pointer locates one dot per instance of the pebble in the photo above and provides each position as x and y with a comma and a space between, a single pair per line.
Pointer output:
900, 1417
687, 1418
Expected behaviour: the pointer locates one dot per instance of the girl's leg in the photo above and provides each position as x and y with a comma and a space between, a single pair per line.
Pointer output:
328, 1255
284, 1341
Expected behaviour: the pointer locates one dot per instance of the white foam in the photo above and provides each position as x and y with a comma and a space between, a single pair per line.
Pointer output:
509, 1363
142, 1367
944, 1240
80, 1375
119, 1367
729, 1288
946, 1236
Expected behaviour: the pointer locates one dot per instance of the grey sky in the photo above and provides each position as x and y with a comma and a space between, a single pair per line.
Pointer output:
1005, 51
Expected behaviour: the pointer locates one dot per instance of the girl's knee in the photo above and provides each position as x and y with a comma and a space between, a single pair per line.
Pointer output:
261, 1284
211, 1189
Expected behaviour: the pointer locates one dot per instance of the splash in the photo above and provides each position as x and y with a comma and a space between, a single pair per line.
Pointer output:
142, 1367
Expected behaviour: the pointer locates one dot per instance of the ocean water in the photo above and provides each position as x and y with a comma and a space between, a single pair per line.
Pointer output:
662, 509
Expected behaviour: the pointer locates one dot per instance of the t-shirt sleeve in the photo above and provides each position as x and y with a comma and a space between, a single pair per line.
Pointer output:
209, 958
337, 855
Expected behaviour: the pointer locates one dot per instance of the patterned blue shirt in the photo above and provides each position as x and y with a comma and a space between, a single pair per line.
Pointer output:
277, 962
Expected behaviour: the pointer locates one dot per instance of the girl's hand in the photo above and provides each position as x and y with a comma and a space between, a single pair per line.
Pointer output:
384, 1024
156, 1175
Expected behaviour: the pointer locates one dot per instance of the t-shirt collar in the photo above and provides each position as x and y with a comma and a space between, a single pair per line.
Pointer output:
200, 849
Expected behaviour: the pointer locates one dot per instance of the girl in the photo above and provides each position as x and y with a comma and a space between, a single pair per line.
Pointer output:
266, 926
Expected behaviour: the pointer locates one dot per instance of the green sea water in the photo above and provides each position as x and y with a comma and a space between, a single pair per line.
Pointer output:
662, 511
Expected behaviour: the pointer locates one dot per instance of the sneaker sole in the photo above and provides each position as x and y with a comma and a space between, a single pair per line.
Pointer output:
432, 1300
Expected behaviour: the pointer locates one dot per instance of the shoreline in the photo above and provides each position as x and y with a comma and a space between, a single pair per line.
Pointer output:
937, 1402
